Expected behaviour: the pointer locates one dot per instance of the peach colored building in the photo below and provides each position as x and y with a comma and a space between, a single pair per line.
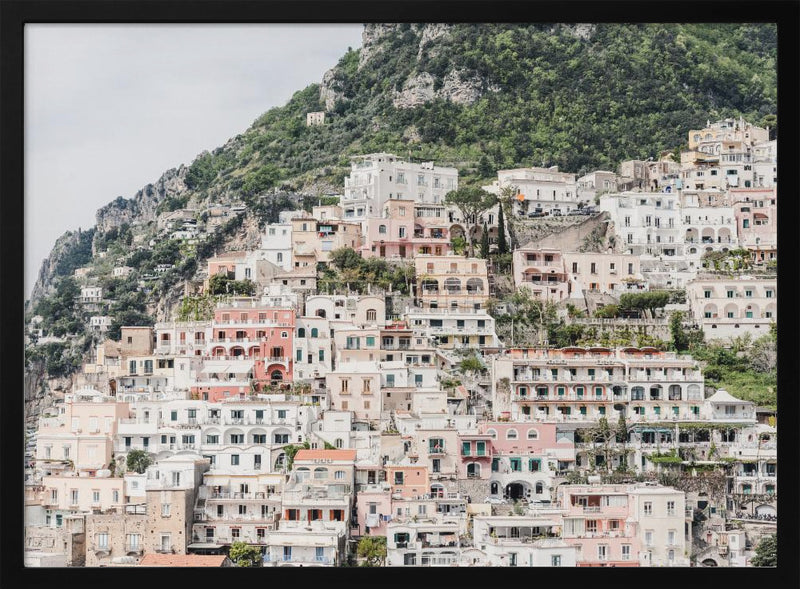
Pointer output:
72, 493
356, 387
756, 213
313, 239
82, 434
408, 481
542, 272
585, 384
608, 273
451, 282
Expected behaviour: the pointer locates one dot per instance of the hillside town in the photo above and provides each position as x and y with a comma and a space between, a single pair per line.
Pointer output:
306, 406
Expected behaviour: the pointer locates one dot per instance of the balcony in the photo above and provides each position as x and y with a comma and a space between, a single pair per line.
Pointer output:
165, 549
134, 550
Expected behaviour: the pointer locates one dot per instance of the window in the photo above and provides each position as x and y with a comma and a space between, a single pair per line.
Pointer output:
234, 459
671, 538
670, 508
511, 434
648, 538
398, 478
73, 496
533, 434
95, 497
555, 560
602, 552
648, 508
102, 541
165, 507
626, 552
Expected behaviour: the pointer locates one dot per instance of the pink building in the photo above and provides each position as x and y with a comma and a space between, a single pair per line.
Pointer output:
525, 457
399, 234
374, 505
247, 330
476, 456
601, 521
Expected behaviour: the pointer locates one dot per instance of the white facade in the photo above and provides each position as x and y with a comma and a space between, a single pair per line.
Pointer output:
730, 307
378, 177
277, 244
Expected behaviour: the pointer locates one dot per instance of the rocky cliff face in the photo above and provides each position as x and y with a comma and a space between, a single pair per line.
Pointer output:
142, 207
456, 86
44, 281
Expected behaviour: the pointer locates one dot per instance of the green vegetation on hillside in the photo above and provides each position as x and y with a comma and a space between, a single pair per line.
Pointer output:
548, 97
348, 271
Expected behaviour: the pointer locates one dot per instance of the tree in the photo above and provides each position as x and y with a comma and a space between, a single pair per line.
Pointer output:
502, 244
138, 461
644, 301
244, 555
373, 550
485, 242
346, 258
470, 201
766, 552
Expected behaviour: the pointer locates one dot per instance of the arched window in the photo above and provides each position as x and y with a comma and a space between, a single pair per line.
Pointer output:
314, 332
321, 313
301, 332
492, 433
539, 488
303, 474
473, 470
533, 434
493, 489
372, 315
511, 434
320, 473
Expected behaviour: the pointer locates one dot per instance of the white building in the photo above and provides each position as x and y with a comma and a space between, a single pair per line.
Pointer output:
375, 178
277, 244
542, 188
726, 307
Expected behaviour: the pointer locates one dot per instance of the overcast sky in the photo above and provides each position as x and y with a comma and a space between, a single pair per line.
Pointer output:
109, 108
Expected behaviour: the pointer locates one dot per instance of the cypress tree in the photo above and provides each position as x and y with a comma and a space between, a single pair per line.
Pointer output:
485, 242
502, 244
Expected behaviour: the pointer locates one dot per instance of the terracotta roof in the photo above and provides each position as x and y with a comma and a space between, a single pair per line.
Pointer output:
330, 454
182, 560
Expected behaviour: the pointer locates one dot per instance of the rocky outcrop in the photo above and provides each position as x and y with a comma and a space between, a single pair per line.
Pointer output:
581, 30
372, 33
142, 207
416, 90
44, 282
330, 89
430, 33
459, 88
